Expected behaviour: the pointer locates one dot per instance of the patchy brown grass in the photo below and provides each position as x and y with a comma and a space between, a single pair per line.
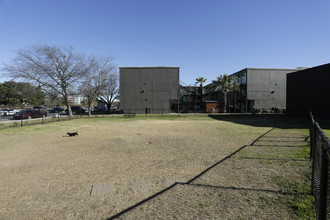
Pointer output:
47, 175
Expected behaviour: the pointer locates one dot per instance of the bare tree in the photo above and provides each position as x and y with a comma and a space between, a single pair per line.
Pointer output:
111, 90
57, 69
53, 99
96, 82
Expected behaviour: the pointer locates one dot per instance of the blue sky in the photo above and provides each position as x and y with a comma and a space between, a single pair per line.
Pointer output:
204, 38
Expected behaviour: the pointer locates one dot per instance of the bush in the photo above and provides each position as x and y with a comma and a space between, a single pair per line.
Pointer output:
278, 110
265, 111
257, 110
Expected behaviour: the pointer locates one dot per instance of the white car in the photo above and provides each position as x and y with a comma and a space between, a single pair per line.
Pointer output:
11, 111
3, 112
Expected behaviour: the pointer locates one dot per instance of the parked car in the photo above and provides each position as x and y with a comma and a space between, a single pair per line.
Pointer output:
56, 110
76, 110
28, 114
41, 109
3, 112
11, 111
97, 109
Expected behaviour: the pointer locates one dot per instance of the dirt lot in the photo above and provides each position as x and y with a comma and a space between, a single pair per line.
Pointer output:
113, 165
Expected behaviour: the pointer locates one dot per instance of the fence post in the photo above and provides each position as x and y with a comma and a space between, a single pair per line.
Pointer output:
323, 181
21, 122
314, 149
320, 156
312, 135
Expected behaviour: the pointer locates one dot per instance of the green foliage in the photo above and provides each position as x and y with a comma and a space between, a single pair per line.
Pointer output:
297, 192
204, 205
301, 201
327, 132
225, 84
201, 80
20, 93
302, 153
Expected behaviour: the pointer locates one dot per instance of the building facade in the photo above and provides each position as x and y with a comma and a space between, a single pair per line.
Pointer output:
309, 90
261, 89
148, 89
76, 99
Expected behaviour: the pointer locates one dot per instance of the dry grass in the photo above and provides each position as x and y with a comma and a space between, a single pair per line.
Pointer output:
46, 175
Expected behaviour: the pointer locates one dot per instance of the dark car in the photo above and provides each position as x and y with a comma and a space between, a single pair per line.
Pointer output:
76, 110
28, 114
41, 109
56, 110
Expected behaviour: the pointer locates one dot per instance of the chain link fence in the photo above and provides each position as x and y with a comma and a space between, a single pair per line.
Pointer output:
5, 123
320, 157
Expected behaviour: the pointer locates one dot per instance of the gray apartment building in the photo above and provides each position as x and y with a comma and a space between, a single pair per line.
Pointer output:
263, 88
148, 89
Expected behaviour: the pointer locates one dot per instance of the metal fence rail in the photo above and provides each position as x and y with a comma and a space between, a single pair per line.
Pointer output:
45, 120
320, 156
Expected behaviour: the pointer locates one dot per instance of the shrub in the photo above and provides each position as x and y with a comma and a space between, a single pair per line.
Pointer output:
278, 110
257, 110
265, 111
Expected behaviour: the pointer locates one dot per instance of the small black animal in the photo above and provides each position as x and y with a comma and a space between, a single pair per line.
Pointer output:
72, 134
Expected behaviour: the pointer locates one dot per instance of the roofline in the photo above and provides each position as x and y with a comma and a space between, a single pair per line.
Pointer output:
315, 67
253, 68
285, 69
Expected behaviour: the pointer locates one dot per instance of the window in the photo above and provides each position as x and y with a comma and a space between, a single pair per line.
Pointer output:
243, 92
243, 80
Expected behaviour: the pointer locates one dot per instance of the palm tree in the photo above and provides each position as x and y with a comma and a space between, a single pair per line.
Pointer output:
225, 84
201, 80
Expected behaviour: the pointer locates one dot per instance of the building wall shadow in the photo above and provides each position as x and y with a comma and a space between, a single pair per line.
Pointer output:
269, 120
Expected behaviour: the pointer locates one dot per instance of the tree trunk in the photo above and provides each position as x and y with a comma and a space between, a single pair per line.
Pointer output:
225, 102
67, 102
89, 109
69, 110
108, 106
201, 98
